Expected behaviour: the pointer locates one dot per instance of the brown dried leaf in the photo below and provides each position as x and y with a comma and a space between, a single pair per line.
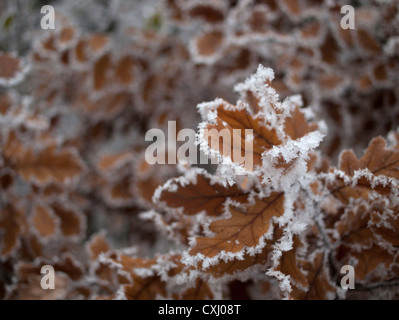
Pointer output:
369, 260
367, 41
44, 221
97, 42
206, 12
10, 66
124, 70
208, 43
289, 265
71, 221
101, 72
68, 265
296, 126
236, 266
352, 227
142, 288
120, 192
203, 195
97, 245
148, 288
45, 166
378, 159
113, 161
200, 291
243, 229
230, 118
386, 225
319, 286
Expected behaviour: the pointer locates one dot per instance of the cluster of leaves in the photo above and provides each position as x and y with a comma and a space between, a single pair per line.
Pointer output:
76, 192
292, 219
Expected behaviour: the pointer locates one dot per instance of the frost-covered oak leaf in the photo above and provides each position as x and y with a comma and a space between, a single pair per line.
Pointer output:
385, 225
199, 193
296, 125
44, 221
71, 219
289, 265
319, 285
128, 264
111, 162
119, 193
12, 69
97, 245
237, 266
231, 118
200, 291
352, 227
148, 278
377, 170
145, 285
47, 165
148, 288
277, 135
378, 159
368, 262
243, 229
364, 234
